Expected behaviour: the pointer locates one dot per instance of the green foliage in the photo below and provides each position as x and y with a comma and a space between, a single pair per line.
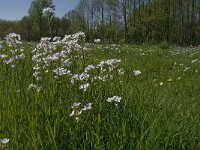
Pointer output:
7, 27
164, 45
35, 12
76, 21
115, 21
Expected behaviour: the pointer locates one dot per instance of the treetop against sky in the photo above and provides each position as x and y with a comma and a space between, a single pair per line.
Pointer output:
15, 10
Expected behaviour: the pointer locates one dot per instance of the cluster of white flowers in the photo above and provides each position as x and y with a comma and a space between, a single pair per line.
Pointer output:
13, 39
46, 53
61, 71
15, 54
48, 11
84, 87
110, 63
121, 71
80, 77
103, 74
97, 40
114, 99
89, 67
35, 87
47, 58
136, 72
77, 111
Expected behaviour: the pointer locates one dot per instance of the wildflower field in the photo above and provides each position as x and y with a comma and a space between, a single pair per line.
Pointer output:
66, 94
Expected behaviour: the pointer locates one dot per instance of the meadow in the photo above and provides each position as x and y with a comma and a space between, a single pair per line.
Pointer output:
68, 94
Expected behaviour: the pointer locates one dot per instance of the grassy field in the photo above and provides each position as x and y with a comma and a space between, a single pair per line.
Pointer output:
156, 106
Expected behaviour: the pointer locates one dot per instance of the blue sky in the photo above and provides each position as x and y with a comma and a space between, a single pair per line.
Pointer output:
16, 9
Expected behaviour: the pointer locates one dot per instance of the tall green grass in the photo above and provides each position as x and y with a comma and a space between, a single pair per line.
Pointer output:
150, 115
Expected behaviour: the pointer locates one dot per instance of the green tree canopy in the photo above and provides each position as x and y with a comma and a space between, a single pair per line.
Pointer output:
36, 13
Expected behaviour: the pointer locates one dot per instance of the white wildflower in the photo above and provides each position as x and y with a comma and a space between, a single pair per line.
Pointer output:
3, 56
37, 67
89, 67
8, 61
35, 74
32, 86
193, 61
169, 80
136, 72
87, 107
3, 142
72, 113
114, 98
13, 66
56, 39
77, 112
121, 71
61, 71
76, 104
84, 87
47, 11
97, 41
77, 119
39, 89
21, 56
186, 68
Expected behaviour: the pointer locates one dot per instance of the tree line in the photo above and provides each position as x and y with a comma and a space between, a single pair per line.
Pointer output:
35, 25
116, 21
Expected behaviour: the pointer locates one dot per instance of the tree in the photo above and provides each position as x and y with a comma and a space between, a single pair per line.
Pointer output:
49, 14
36, 12
76, 21
26, 27
124, 12
7, 27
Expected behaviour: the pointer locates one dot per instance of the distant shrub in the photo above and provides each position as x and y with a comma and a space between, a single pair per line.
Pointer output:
164, 45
